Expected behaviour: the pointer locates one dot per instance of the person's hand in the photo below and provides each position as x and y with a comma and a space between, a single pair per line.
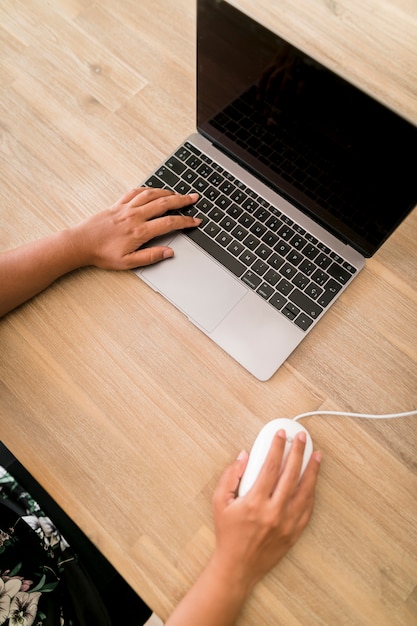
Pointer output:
113, 238
255, 531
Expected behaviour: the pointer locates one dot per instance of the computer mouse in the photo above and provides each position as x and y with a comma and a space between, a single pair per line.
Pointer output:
261, 447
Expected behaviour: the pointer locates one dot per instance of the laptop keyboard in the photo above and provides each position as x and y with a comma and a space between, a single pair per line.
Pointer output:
264, 248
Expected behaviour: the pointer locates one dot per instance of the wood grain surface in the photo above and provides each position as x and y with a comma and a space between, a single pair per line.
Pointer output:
124, 411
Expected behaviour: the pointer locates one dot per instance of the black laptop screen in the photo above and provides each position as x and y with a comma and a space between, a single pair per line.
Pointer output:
335, 152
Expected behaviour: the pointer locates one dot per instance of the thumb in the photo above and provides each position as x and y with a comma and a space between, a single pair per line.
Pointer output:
228, 484
148, 256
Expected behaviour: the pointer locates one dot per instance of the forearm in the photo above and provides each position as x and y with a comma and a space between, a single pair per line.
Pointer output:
216, 598
31, 268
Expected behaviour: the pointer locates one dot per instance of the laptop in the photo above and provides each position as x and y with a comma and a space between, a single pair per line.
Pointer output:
301, 176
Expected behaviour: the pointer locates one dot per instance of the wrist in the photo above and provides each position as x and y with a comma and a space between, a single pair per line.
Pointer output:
234, 574
74, 250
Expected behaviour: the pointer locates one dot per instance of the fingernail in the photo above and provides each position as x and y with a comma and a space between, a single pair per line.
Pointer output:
197, 220
194, 196
317, 456
168, 253
302, 436
241, 455
281, 433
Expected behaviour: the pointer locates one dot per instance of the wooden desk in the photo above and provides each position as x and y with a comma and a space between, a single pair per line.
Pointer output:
123, 410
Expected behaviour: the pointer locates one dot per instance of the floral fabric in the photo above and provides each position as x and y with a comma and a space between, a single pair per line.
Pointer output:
42, 582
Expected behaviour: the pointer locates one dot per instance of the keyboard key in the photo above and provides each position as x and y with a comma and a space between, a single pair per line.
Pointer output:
216, 179
204, 205
283, 248
313, 291
265, 291
303, 321
274, 223
305, 303
251, 242
272, 277
262, 214
189, 176
300, 281
278, 301
239, 232
212, 229
310, 251
250, 205
227, 187
275, 261
182, 187
175, 165
307, 267
349, 267
216, 251
212, 193
288, 271
154, 181
251, 279
193, 162
284, 287
234, 210
260, 267
236, 248
167, 176
216, 214
183, 154
223, 201
247, 257
246, 220
200, 185
319, 277
270, 238
298, 242
238, 196
290, 310
223, 238
258, 229
227, 223
294, 257
339, 273
331, 290
285, 232
263, 251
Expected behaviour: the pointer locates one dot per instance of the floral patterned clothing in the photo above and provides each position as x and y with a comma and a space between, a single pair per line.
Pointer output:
42, 582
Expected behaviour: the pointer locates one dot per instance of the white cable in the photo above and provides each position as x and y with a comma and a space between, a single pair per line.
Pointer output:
364, 415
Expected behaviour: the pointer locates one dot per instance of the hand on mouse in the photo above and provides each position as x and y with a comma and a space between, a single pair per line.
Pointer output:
253, 533
110, 239
258, 529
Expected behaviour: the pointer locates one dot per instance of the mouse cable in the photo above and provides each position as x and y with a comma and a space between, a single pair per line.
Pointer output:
363, 415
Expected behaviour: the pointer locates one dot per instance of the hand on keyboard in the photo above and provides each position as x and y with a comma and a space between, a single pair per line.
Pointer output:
113, 239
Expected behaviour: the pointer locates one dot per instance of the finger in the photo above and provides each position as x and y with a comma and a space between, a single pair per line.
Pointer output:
303, 497
167, 224
130, 195
309, 478
290, 475
147, 256
269, 474
228, 484
157, 202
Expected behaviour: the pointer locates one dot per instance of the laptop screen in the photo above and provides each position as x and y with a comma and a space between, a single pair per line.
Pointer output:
333, 151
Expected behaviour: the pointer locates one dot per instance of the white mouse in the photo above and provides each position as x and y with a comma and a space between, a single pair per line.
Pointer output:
261, 447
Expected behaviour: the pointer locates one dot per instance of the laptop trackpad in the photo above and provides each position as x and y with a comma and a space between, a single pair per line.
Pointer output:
195, 284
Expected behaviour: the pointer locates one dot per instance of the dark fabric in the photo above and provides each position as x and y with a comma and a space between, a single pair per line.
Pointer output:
51, 577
